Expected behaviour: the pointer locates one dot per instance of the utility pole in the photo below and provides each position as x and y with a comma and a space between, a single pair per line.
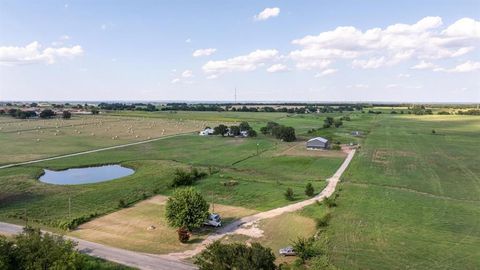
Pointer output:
213, 202
257, 147
235, 95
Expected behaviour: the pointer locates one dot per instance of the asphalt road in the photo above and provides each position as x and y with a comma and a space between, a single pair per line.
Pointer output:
122, 256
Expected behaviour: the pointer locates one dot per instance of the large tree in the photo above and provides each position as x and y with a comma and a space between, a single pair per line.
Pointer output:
186, 209
47, 113
220, 130
218, 256
66, 115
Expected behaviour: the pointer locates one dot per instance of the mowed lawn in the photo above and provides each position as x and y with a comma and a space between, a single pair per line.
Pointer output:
261, 180
411, 198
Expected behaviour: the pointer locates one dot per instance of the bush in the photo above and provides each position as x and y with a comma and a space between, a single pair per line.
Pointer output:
66, 115
289, 195
183, 235
218, 256
323, 221
336, 147
184, 178
305, 248
330, 202
121, 203
309, 190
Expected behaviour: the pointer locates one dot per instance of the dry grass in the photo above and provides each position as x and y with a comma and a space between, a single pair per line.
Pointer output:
34, 139
128, 228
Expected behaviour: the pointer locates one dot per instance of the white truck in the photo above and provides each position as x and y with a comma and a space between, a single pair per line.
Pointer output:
213, 220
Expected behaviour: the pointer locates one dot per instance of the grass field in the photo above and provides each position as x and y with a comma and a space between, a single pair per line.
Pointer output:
262, 179
410, 198
34, 139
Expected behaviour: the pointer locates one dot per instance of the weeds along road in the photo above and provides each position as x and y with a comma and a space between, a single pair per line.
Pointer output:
93, 151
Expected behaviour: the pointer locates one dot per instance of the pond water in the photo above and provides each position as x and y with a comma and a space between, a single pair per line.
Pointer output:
87, 175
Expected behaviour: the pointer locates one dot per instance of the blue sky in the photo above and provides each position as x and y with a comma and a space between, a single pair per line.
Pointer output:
268, 50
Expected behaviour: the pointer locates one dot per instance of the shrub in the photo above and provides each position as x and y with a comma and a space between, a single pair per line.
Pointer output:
309, 190
336, 147
121, 203
218, 256
183, 235
330, 202
289, 195
305, 248
323, 221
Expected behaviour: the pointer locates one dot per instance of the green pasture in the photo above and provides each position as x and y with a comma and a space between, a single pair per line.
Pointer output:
410, 198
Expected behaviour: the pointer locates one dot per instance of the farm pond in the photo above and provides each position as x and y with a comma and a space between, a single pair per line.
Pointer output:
77, 176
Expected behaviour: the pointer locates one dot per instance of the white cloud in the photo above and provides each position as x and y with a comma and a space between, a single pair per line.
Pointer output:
277, 68
424, 65
465, 27
358, 85
403, 75
188, 40
176, 80
326, 72
103, 27
377, 47
468, 66
392, 85
247, 62
187, 73
267, 13
204, 52
211, 77
33, 53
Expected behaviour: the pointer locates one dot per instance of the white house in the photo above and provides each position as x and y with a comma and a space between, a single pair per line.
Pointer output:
206, 132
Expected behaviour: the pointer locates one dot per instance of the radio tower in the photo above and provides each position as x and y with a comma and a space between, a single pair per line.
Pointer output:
235, 95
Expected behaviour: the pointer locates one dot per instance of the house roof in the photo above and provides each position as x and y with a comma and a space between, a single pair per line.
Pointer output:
318, 139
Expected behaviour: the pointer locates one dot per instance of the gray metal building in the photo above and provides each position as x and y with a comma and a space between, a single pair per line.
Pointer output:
318, 143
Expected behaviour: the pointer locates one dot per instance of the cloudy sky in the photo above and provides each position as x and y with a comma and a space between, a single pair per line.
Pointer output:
269, 50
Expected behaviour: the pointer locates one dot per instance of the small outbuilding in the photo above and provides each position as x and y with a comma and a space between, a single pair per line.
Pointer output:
206, 132
318, 143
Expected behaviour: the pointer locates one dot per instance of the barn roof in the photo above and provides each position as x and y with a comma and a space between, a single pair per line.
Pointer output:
318, 139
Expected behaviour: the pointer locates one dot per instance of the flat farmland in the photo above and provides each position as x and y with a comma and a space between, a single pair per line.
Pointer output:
410, 198
26, 140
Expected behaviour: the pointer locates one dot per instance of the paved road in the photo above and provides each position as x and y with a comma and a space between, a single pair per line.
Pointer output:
93, 151
248, 221
122, 256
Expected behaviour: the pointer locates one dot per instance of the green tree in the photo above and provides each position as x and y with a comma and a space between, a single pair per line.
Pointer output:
47, 113
66, 115
305, 248
94, 111
338, 123
35, 250
234, 130
309, 190
328, 122
289, 195
220, 130
218, 256
252, 133
186, 208
244, 126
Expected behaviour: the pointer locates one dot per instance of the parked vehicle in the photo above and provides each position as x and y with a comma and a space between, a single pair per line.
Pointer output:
213, 220
287, 251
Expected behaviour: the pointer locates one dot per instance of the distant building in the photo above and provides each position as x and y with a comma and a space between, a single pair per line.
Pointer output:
357, 133
206, 132
318, 143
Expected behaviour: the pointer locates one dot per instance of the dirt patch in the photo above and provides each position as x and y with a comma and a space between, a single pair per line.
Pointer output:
299, 149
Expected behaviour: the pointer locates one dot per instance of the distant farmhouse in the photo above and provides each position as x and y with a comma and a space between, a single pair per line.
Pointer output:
318, 143
207, 131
